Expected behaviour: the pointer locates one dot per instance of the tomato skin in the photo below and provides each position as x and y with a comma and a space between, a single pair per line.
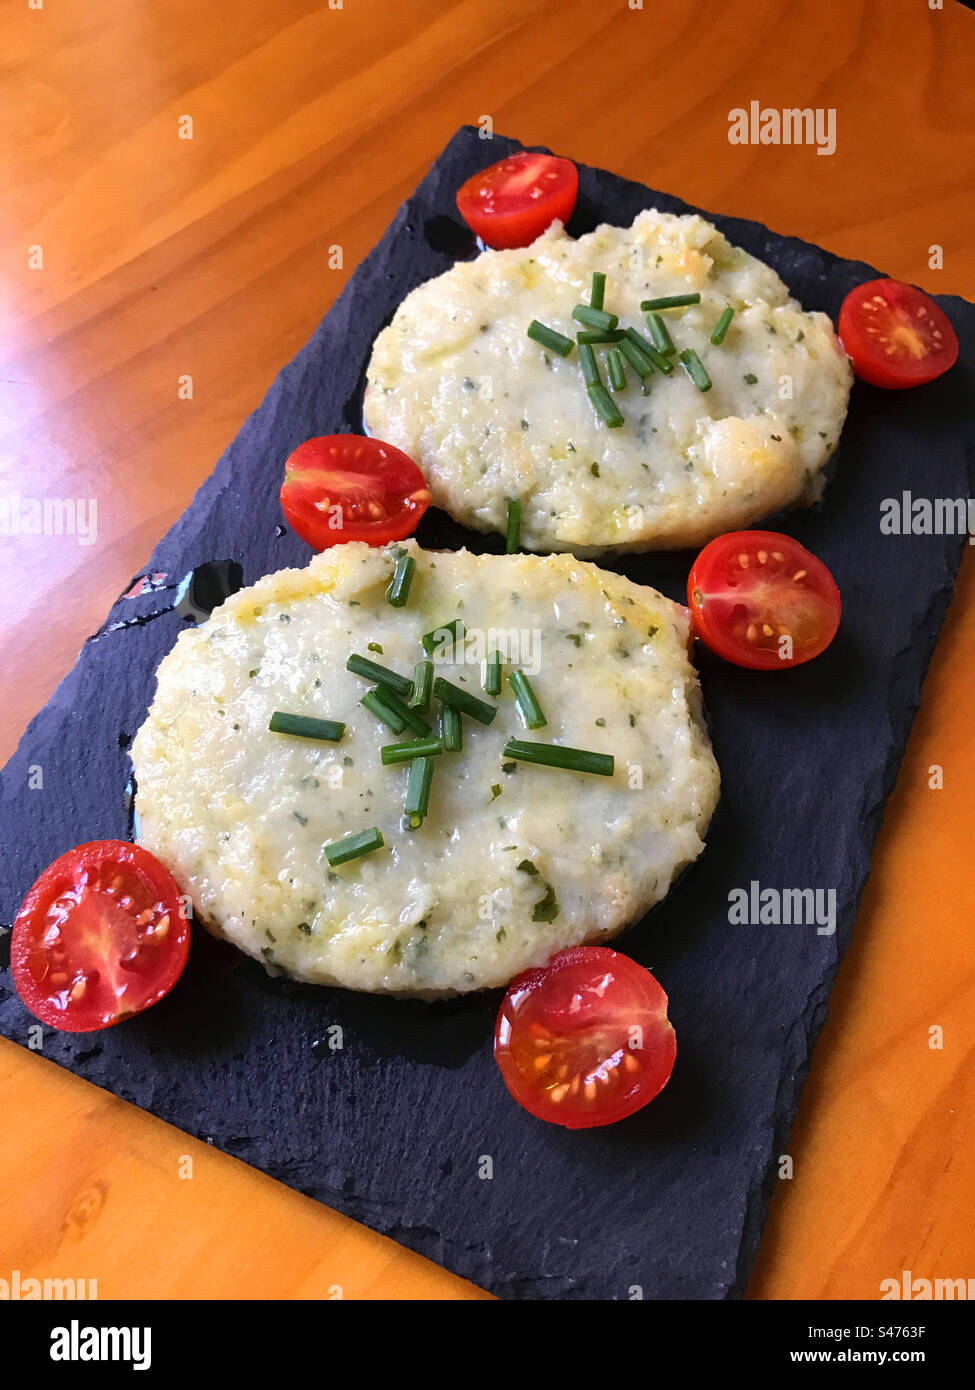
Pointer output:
895, 335
790, 590
512, 202
585, 1041
350, 487
74, 928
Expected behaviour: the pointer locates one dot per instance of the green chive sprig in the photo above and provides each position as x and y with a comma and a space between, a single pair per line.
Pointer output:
617, 372
412, 748
399, 587
492, 674
598, 291
463, 700
670, 301
451, 729
304, 726
418, 784
381, 675
456, 632
650, 352
411, 718
637, 359
512, 529
550, 338
604, 405
595, 318
721, 327
587, 361
557, 755
528, 705
662, 340
597, 335
422, 686
695, 369
353, 846
373, 701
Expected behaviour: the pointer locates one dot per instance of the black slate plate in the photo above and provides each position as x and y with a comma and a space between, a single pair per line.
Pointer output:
392, 1129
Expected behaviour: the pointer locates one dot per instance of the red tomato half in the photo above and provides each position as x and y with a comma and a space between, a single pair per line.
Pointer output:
102, 934
585, 1040
512, 202
896, 335
761, 599
347, 487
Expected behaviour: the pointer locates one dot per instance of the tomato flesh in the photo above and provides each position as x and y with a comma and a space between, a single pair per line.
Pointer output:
347, 487
762, 600
512, 202
895, 335
585, 1040
101, 935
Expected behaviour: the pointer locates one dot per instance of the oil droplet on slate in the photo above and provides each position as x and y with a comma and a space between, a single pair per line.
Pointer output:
131, 814
205, 588
147, 584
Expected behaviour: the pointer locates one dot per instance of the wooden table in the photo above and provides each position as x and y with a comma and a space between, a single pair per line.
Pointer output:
166, 257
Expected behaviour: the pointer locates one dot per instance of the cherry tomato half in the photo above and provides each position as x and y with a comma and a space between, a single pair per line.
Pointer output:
512, 202
347, 487
761, 599
895, 335
585, 1040
102, 934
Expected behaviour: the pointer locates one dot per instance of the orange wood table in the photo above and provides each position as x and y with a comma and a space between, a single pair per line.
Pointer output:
165, 256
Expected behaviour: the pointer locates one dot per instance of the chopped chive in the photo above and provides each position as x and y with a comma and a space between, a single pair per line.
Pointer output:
640, 363
352, 846
422, 685
382, 675
662, 340
587, 361
528, 706
721, 327
412, 748
432, 640
399, 588
598, 291
694, 368
550, 338
451, 729
617, 372
410, 717
304, 726
464, 701
600, 335
492, 674
556, 755
373, 701
670, 301
594, 318
650, 352
418, 787
512, 524
604, 405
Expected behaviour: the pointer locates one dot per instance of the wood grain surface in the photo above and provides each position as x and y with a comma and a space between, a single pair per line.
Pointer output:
164, 257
